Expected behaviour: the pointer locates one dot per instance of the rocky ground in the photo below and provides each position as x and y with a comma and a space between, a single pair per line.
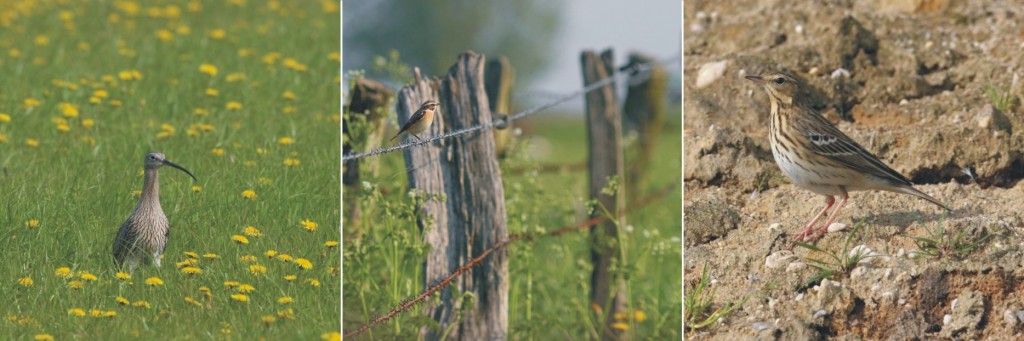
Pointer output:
933, 89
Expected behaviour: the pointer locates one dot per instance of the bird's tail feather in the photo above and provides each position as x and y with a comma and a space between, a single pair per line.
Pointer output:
919, 194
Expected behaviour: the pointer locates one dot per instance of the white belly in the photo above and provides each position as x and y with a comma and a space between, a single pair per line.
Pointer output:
824, 183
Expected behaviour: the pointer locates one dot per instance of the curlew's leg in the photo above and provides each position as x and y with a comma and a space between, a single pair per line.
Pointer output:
156, 259
809, 228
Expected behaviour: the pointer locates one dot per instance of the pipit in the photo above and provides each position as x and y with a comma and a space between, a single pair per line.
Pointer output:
818, 157
420, 120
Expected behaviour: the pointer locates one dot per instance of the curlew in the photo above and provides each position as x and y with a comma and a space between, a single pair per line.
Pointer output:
146, 231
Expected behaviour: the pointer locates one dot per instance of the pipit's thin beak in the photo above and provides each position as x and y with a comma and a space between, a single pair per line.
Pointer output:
172, 164
755, 78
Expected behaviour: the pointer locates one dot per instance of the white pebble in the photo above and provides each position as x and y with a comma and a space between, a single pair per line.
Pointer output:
946, 320
1020, 315
759, 326
836, 227
901, 301
952, 305
799, 297
778, 259
904, 101
820, 313
799, 28
795, 266
710, 72
840, 72
1009, 317
774, 227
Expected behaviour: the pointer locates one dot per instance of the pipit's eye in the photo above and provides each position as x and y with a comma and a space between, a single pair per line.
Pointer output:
780, 80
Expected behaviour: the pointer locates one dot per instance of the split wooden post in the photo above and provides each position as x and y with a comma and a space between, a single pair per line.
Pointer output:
499, 79
464, 214
643, 114
369, 98
604, 141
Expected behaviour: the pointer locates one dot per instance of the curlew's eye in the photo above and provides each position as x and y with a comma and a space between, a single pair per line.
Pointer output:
780, 80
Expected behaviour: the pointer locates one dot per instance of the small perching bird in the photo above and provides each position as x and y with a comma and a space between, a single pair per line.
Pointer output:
817, 156
420, 120
146, 231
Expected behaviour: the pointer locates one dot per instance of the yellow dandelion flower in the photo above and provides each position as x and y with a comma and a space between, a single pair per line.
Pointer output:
63, 272
330, 243
285, 300
240, 239
620, 326
31, 103
619, 316
191, 254
218, 33
191, 270
257, 269
200, 112
116, 103
288, 109
240, 297
109, 313
234, 105
231, 284
309, 225
68, 110
288, 95
154, 281
100, 93
192, 301
141, 304
87, 276
32, 223
42, 40
245, 288
639, 316
217, 151
122, 301
208, 69
246, 52
249, 194
334, 56
264, 181
76, 312
247, 259
88, 123
269, 319
236, 77
293, 64
292, 162
252, 232
43, 337
270, 253
14, 53
211, 256
206, 291
286, 140
261, 151
284, 257
290, 278
271, 58
3, 138
313, 282
123, 276
287, 314
63, 127
212, 92
303, 263
32, 143
165, 35
26, 281
5, 118
331, 336
76, 284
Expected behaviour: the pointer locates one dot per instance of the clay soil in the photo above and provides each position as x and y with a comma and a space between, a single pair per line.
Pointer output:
933, 89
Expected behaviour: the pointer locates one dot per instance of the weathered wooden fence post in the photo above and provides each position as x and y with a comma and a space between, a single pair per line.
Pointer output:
370, 99
643, 114
604, 140
471, 217
499, 79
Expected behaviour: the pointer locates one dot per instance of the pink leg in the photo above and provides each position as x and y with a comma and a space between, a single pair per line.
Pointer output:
809, 228
832, 217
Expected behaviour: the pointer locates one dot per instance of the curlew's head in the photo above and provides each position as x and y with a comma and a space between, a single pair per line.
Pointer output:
781, 86
155, 160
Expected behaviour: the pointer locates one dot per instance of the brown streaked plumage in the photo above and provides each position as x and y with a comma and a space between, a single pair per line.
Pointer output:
817, 156
420, 120
146, 232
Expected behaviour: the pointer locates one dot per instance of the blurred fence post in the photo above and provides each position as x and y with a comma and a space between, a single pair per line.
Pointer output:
604, 139
464, 205
643, 114
370, 99
499, 79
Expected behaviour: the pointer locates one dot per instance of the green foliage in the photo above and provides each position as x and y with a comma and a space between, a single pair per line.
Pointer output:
835, 264
93, 87
698, 304
939, 243
1000, 97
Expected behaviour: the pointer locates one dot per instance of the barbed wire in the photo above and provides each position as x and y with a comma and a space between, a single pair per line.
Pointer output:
438, 285
630, 69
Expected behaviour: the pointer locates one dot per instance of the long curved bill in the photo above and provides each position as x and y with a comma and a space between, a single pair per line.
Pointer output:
172, 164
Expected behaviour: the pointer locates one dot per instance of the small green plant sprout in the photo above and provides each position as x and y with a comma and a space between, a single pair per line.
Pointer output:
698, 308
1000, 97
835, 264
939, 243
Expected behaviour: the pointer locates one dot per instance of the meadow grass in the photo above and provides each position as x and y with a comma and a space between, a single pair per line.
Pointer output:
242, 93
549, 277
